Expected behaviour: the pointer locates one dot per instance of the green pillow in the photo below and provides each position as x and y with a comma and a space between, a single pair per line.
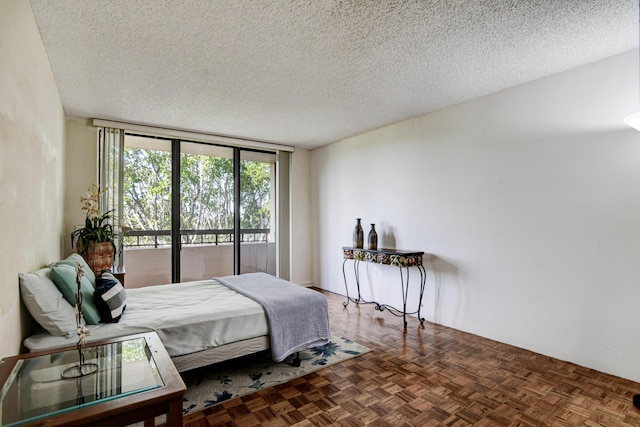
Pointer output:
64, 277
88, 273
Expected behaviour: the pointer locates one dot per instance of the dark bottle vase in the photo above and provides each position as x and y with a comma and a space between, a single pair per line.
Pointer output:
372, 239
358, 235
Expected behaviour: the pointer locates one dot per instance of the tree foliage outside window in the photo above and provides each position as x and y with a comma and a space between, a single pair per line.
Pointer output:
207, 196
147, 192
255, 194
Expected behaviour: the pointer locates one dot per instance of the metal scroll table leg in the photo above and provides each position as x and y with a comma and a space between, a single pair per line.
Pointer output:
356, 271
346, 303
423, 280
405, 294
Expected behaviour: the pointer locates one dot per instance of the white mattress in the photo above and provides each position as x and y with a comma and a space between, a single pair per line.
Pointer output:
188, 317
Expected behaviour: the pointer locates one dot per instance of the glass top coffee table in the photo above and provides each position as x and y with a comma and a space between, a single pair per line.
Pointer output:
136, 381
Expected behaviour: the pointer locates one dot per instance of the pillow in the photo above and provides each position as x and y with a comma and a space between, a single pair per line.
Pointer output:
46, 304
110, 298
64, 277
77, 258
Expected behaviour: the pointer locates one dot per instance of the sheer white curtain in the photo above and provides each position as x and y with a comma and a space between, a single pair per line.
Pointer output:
110, 180
283, 240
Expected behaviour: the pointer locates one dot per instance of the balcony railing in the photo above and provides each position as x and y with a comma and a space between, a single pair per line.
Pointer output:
162, 238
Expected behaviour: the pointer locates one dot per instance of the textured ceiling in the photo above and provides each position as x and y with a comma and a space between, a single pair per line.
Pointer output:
308, 73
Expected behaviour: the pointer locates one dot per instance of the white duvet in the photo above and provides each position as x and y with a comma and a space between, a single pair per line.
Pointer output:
188, 317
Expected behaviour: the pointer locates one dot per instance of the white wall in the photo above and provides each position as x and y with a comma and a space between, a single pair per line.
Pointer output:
527, 202
32, 131
81, 165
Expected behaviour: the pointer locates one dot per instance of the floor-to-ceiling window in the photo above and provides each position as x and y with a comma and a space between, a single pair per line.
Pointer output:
257, 212
194, 210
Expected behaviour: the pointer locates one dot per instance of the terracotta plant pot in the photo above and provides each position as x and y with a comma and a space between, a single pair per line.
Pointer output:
99, 255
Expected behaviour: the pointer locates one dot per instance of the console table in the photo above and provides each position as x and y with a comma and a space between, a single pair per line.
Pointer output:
393, 257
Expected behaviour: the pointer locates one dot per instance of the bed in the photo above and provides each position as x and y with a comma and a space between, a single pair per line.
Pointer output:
199, 323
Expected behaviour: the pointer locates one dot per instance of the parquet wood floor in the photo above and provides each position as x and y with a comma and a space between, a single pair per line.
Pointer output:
431, 376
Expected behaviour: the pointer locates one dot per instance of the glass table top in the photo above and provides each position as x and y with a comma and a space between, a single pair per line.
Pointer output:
35, 388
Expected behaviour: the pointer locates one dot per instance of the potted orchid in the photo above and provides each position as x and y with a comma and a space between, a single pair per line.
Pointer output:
95, 241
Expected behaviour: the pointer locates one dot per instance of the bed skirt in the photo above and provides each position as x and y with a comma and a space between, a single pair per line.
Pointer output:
221, 353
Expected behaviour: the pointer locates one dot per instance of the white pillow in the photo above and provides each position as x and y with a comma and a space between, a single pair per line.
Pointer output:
46, 303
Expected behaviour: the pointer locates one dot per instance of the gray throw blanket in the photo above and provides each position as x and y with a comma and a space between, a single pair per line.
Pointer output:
298, 317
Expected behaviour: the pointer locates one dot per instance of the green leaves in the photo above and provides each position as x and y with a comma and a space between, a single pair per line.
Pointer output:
206, 189
96, 226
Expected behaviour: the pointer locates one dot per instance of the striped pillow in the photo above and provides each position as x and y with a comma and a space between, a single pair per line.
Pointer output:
110, 298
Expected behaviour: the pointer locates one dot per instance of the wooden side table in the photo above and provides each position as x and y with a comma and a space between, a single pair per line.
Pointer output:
118, 273
136, 381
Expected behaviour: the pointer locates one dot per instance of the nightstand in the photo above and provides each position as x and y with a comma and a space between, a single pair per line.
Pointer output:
136, 381
118, 273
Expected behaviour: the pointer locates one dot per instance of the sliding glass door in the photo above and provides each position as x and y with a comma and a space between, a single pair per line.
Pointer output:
257, 212
206, 211
146, 215
195, 211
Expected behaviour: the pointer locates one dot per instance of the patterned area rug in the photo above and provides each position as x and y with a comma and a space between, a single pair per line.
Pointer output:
223, 381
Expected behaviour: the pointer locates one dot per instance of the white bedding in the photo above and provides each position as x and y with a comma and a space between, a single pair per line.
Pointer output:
188, 317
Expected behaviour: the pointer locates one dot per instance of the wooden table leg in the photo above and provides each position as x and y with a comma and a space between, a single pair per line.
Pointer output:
174, 416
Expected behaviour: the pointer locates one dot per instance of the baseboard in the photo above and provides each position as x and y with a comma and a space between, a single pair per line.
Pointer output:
306, 284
